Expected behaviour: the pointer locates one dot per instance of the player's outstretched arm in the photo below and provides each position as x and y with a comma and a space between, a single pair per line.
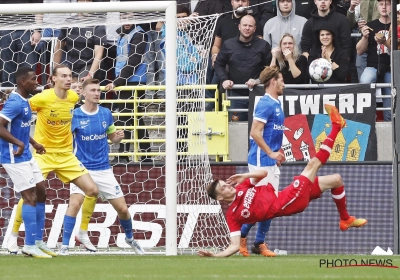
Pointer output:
232, 249
257, 176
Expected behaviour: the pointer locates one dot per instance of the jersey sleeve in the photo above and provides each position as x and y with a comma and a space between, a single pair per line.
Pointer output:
262, 112
233, 225
10, 110
36, 102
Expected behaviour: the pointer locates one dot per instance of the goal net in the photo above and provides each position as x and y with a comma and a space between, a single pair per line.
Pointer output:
162, 174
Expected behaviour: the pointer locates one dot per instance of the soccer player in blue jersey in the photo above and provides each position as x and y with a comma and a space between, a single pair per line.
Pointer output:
265, 142
92, 125
17, 160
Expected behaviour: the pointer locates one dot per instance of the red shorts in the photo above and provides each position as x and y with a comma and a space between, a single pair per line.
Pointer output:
295, 197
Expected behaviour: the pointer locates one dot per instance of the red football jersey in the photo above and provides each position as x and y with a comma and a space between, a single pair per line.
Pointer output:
251, 205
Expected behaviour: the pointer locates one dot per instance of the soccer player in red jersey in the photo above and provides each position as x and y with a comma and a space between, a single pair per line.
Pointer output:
250, 204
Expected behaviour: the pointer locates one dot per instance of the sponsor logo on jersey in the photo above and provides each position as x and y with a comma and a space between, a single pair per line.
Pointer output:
248, 198
84, 122
245, 213
104, 123
59, 122
88, 34
94, 137
279, 127
296, 183
26, 124
26, 111
240, 193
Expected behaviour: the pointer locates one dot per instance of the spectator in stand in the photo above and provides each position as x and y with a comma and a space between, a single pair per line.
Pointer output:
246, 55
285, 22
226, 28
325, 16
130, 70
292, 64
375, 42
361, 12
83, 47
17, 47
336, 56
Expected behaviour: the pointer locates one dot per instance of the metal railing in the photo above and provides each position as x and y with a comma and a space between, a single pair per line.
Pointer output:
301, 86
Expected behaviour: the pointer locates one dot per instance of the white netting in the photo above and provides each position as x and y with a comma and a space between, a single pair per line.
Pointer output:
138, 163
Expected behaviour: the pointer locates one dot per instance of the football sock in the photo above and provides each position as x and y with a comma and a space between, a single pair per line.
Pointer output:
326, 146
40, 212
127, 226
87, 210
339, 197
244, 231
29, 217
262, 230
18, 217
69, 224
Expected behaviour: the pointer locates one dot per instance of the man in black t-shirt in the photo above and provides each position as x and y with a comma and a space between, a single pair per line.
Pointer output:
84, 48
375, 43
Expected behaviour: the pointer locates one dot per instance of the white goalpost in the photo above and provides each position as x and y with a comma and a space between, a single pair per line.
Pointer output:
166, 198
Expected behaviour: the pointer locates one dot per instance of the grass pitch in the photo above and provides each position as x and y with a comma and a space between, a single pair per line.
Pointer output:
97, 267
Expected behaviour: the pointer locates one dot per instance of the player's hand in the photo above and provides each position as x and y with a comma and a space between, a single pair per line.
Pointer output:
35, 38
39, 148
236, 179
119, 135
277, 155
361, 23
88, 76
353, 4
20, 149
110, 86
205, 254
227, 84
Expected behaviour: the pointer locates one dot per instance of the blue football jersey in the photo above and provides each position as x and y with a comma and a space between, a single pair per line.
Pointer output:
269, 111
90, 137
18, 113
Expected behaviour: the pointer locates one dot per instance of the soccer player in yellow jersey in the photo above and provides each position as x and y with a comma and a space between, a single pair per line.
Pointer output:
54, 108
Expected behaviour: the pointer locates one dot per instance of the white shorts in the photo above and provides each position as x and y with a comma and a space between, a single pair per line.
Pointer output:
272, 177
105, 182
25, 175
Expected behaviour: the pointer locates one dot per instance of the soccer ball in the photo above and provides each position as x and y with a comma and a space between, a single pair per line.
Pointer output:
320, 70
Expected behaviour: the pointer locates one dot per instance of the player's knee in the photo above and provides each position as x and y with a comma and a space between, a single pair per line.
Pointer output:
30, 198
337, 180
123, 212
92, 192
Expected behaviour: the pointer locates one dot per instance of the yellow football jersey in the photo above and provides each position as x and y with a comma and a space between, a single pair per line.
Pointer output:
53, 125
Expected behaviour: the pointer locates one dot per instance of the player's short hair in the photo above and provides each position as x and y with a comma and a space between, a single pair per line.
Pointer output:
211, 189
269, 73
90, 82
54, 72
22, 72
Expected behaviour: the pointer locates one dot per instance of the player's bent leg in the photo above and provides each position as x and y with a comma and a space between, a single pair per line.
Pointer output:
125, 220
334, 182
